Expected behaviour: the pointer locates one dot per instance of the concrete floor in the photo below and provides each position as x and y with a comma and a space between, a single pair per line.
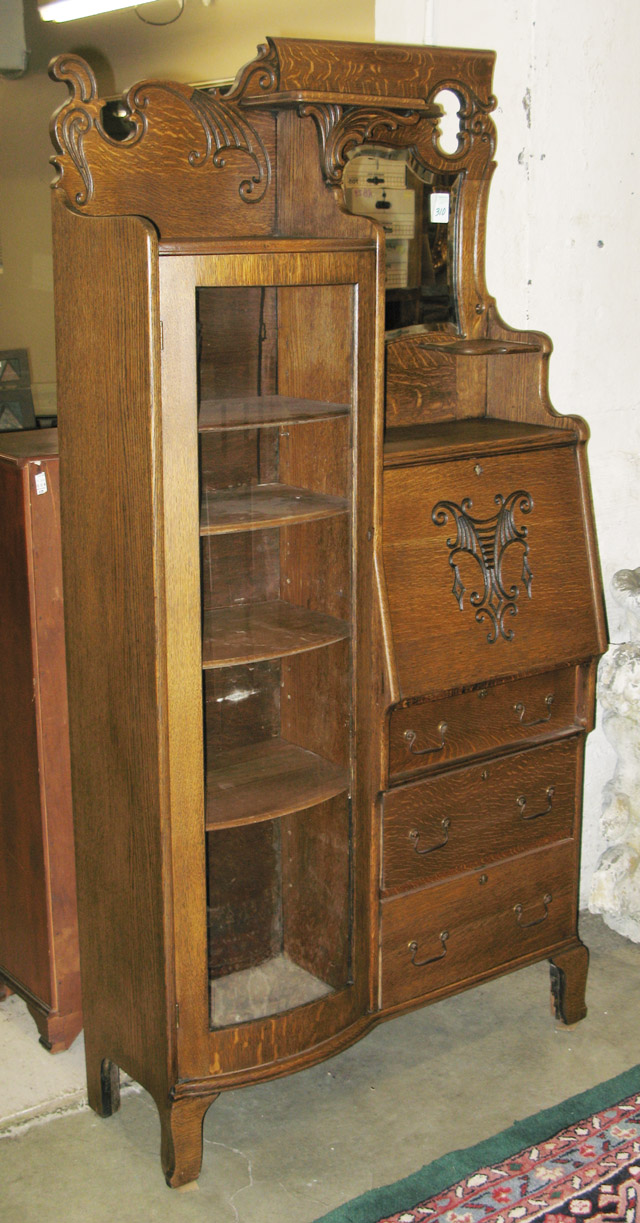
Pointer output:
415, 1088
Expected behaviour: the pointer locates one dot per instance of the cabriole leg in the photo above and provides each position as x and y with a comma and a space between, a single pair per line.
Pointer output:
569, 983
181, 1124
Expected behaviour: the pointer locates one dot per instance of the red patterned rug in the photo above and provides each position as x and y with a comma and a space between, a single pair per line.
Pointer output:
587, 1170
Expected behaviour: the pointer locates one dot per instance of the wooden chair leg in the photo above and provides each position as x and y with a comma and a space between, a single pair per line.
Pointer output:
181, 1124
569, 983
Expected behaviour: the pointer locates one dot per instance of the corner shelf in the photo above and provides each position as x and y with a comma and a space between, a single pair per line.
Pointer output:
254, 412
481, 347
251, 632
268, 779
254, 506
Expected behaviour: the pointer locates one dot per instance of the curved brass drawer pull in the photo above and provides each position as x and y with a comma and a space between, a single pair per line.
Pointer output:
414, 836
535, 815
413, 948
525, 925
411, 736
520, 710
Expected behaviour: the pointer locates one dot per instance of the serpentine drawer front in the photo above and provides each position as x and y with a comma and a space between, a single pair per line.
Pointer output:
429, 734
460, 820
452, 932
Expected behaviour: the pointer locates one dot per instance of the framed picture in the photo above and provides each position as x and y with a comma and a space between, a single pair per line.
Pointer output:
16, 402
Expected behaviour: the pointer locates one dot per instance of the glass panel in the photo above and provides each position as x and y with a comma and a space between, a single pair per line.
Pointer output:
275, 527
416, 208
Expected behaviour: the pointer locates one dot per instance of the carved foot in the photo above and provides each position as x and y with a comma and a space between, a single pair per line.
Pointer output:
103, 1085
569, 983
5, 990
181, 1153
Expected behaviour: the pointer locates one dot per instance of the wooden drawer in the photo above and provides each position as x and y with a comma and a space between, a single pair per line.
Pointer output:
470, 816
450, 933
427, 735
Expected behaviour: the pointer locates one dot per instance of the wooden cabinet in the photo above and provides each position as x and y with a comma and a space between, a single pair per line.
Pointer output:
330, 574
38, 923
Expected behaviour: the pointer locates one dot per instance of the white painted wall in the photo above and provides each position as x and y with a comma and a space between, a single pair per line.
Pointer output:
564, 238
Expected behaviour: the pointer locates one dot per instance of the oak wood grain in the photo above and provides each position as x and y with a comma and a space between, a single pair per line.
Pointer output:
272, 311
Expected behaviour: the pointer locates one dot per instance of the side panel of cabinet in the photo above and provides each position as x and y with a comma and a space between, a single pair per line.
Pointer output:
184, 659
23, 877
106, 299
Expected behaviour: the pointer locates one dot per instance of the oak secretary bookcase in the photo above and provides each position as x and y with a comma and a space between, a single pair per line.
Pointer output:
332, 598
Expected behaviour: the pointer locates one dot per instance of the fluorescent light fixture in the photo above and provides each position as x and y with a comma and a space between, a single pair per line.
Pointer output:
73, 10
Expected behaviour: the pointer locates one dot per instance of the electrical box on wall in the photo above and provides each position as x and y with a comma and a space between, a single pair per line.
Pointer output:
13, 48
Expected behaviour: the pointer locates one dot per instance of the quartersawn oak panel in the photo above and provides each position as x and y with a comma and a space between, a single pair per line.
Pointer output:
438, 644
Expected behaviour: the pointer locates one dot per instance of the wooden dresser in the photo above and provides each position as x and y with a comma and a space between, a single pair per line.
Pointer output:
331, 583
38, 923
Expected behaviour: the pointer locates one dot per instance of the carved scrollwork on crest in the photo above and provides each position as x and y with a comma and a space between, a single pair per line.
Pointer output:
487, 540
225, 129
477, 130
80, 115
343, 128
262, 74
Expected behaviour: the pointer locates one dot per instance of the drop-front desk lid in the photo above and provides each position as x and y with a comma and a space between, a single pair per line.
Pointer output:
486, 553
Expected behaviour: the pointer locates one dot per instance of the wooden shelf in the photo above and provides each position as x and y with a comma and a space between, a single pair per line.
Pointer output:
250, 507
481, 347
443, 342
431, 443
260, 410
250, 632
268, 779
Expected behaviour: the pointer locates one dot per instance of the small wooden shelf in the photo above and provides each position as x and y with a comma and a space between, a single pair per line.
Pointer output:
481, 347
250, 632
250, 507
430, 443
268, 779
257, 411
457, 346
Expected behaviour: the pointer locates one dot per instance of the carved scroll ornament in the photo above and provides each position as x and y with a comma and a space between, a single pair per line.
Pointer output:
84, 146
487, 541
341, 129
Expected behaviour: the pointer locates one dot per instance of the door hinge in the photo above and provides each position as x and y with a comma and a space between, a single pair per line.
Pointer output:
177, 1014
